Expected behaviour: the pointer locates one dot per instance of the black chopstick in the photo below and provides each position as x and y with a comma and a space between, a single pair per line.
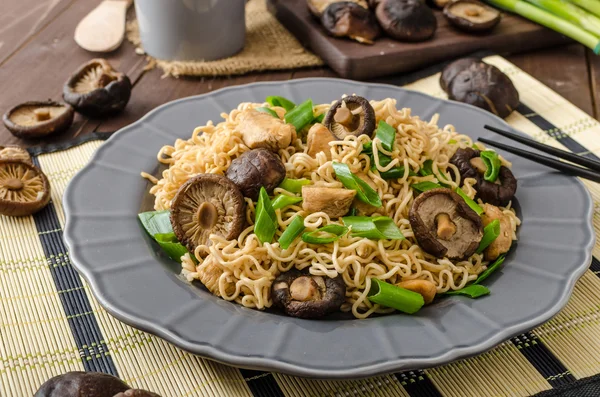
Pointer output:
547, 161
592, 164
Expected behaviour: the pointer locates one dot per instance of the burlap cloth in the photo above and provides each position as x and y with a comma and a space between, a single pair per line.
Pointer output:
269, 46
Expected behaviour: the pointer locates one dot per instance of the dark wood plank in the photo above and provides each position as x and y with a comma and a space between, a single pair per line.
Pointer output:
20, 20
39, 70
564, 69
386, 56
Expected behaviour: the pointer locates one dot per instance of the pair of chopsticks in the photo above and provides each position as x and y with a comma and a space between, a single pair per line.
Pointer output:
592, 172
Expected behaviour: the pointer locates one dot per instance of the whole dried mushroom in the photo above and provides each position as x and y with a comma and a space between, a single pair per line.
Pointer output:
480, 84
352, 115
207, 204
472, 16
348, 19
96, 89
88, 384
444, 225
317, 7
24, 189
255, 169
15, 153
406, 20
36, 119
306, 296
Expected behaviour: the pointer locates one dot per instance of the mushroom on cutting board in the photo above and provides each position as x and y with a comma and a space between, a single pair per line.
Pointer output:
254, 169
318, 139
24, 189
261, 130
348, 19
502, 243
317, 7
36, 119
472, 16
207, 204
351, 115
306, 296
96, 89
332, 201
406, 20
444, 225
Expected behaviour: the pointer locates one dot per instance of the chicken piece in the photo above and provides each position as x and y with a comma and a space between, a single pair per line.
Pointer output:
334, 202
502, 244
318, 140
362, 208
209, 275
263, 130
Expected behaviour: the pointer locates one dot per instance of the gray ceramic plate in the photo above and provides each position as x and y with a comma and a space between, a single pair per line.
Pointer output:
140, 287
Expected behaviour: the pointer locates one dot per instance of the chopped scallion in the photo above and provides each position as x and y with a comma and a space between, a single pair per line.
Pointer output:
395, 173
398, 298
470, 202
281, 102
171, 246
294, 185
492, 163
268, 111
301, 115
491, 268
156, 222
265, 223
364, 192
490, 233
386, 134
426, 170
319, 118
283, 201
293, 230
425, 186
325, 235
472, 291
374, 228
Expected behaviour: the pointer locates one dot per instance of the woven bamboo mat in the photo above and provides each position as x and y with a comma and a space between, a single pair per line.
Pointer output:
269, 46
50, 323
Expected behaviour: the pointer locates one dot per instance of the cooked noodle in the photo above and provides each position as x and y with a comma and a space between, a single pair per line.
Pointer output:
249, 267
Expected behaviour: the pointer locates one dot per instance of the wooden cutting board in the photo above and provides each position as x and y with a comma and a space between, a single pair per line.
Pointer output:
358, 61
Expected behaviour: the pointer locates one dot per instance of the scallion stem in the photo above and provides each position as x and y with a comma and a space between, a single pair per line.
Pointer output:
283, 201
470, 202
268, 111
301, 115
325, 235
398, 298
490, 233
293, 230
294, 185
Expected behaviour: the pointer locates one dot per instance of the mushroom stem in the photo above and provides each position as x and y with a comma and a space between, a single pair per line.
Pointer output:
473, 11
42, 114
13, 184
343, 116
304, 289
445, 227
478, 164
207, 215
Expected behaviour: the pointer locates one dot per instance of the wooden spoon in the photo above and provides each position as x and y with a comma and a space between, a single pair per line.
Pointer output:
103, 29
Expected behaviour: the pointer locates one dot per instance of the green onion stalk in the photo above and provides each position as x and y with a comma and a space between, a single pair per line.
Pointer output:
554, 22
592, 6
570, 12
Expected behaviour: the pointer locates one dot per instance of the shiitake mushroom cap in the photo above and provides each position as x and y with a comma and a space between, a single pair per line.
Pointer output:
452, 69
317, 7
82, 384
406, 20
24, 189
96, 89
472, 15
36, 119
362, 120
348, 19
254, 169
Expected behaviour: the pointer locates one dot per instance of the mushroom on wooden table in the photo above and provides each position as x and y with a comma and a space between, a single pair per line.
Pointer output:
24, 188
37, 119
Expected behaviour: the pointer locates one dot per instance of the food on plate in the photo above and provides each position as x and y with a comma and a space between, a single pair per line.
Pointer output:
406, 20
479, 84
24, 189
12, 152
96, 89
375, 209
317, 7
472, 16
304, 295
348, 19
88, 384
262, 130
37, 119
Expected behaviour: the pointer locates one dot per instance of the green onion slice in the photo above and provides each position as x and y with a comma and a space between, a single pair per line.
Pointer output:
373, 228
472, 291
294, 185
293, 230
398, 298
156, 222
281, 102
171, 246
492, 162
395, 173
364, 192
265, 224
491, 268
319, 118
425, 186
267, 110
325, 235
490, 233
386, 134
452, 141
426, 170
470, 202
283, 201
301, 115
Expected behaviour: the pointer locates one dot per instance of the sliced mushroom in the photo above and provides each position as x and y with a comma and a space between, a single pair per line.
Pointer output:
484, 86
96, 89
362, 208
452, 69
24, 189
348, 19
334, 202
254, 169
444, 225
504, 240
37, 119
406, 20
80, 384
318, 139
261, 130
207, 204
472, 16
15, 153
496, 193
352, 115
426, 288
306, 296
317, 7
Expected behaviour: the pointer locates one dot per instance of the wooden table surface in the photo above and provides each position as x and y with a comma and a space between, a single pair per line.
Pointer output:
38, 53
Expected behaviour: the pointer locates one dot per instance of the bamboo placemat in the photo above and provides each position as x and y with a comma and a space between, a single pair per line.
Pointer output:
269, 46
50, 323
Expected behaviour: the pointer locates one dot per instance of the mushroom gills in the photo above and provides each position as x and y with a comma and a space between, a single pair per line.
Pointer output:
24, 189
32, 115
352, 115
471, 15
15, 153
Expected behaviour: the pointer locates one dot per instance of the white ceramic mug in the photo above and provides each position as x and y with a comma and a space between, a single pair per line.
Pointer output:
191, 30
